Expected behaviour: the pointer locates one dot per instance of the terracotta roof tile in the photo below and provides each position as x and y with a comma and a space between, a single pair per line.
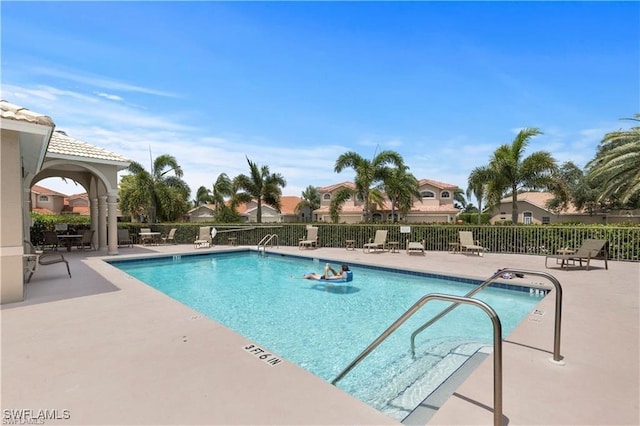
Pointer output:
64, 145
437, 184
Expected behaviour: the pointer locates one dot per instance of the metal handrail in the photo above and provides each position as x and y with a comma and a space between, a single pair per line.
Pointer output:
497, 344
558, 308
266, 240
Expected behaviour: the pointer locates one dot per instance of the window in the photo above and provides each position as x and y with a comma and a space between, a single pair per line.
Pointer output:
527, 218
445, 194
326, 197
428, 194
546, 220
43, 198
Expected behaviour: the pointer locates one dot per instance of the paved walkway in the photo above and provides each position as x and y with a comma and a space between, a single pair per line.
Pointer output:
113, 351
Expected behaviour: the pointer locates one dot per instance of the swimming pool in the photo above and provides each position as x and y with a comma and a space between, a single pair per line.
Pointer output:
322, 326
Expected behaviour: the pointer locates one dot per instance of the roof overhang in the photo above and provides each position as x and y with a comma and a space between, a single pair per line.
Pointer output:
34, 139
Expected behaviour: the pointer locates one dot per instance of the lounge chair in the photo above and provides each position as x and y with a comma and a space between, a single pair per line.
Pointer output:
590, 249
124, 238
87, 239
50, 240
378, 242
467, 243
312, 238
171, 237
203, 239
145, 236
34, 258
416, 247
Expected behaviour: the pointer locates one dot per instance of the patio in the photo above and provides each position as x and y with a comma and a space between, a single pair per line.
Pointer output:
111, 350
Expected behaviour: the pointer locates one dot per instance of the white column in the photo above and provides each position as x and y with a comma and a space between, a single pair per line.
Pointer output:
93, 208
102, 222
112, 216
26, 214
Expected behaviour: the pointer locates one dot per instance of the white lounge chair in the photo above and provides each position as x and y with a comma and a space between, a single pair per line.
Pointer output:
379, 242
416, 247
312, 238
171, 237
203, 239
467, 243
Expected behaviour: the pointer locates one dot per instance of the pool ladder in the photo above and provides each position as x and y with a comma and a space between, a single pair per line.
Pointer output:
268, 239
497, 330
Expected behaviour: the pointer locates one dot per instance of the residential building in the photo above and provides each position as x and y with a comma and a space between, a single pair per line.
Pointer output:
532, 209
435, 205
249, 211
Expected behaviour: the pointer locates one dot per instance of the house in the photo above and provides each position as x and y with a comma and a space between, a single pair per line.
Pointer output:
47, 201
532, 209
435, 205
249, 211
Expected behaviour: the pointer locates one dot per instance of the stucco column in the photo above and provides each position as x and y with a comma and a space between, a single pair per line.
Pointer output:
26, 214
93, 209
112, 216
102, 222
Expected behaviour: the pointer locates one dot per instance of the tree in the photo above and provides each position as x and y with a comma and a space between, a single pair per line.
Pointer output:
261, 185
203, 196
368, 172
509, 172
477, 186
616, 168
310, 200
156, 194
338, 200
402, 188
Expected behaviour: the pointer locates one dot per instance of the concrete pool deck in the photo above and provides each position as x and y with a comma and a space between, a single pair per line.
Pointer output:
111, 350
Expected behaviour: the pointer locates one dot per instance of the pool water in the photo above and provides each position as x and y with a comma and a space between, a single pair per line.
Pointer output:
322, 327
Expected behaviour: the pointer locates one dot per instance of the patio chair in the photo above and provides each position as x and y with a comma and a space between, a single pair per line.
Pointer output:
311, 241
204, 237
467, 243
87, 239
416, 247
171, 237
379, 241
590, 249
145, 236
124, 238
33, 258
50, 240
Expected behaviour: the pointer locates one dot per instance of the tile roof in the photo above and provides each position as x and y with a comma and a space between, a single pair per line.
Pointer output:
18, 113
437, 184
41, 190
64, 145
539, 199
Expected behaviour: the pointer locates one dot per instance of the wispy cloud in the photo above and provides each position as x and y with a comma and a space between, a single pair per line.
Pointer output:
110, 97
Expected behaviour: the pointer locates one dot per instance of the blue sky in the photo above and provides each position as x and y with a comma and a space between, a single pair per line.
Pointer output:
293, 85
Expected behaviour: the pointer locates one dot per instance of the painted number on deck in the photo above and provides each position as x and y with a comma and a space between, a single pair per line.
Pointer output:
263, 355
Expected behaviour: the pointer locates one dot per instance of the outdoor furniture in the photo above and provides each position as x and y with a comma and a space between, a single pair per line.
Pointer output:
86, 240
50, 239
590, 249
124, 238
232, 241
68, 240
312, 238
416, 247
379, 242
204, 237
350, 244
393, 246
33, 258
467, 243
148, 237
171, 237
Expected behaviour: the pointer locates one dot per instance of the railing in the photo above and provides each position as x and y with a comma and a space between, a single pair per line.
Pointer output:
497, 344
557, 358
267, 239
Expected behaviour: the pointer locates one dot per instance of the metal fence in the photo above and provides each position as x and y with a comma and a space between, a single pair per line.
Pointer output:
624, 242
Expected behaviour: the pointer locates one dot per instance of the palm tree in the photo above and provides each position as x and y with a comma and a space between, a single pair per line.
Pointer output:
508, 171
616, 168
477, 186
337, 201
157, 194
402, 188
368, 172
310, 200
222, 187
203, 196
262, 185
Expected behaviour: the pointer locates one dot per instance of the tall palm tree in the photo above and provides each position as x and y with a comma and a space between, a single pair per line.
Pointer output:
368, 172
310, 200
616, 167
337, 201
157, 194
222, 187
402, 188
262, 185
477, 186
509, 171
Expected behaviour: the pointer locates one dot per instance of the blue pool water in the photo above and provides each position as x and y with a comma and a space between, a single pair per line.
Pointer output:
323, 327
